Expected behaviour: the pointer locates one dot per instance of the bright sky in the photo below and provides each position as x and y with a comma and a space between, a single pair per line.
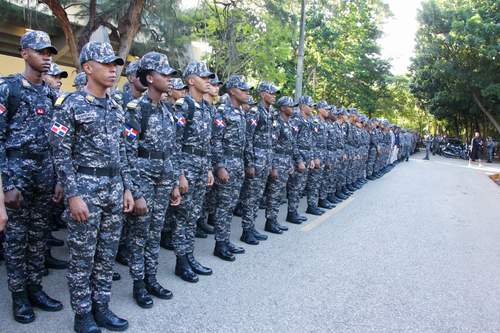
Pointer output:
399, 32
398, 41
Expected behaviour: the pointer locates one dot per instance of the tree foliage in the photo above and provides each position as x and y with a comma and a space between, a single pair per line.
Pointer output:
455, 72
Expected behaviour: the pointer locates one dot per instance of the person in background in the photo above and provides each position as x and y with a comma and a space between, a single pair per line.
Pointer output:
491, 145
427, 142
476, 144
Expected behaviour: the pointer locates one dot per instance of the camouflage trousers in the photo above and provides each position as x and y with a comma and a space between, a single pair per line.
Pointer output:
295, 187
341, 174
370, 163
227, 196
314, 179
145, 231
93, 243
189, 211
327, 178
28, 227
251, 193
275, 188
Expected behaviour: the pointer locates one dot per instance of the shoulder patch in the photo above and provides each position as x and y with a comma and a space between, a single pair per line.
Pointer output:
90, 98
180, 101
60, 100
132, 105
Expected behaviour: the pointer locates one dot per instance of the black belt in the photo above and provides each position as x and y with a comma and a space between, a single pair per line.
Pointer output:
39, 157
154, 154
194, 151
235, 154
98, 172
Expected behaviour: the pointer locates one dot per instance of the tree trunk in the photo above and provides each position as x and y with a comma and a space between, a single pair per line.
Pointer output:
60, 13
128, 26
487, 113
300, 59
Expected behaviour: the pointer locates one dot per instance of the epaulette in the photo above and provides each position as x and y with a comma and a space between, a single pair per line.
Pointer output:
90, 98
180, 101
60, 99
25, 83
132, 105
115, 103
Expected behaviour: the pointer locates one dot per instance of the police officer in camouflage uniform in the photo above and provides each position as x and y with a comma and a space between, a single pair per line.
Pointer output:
90, 157
26, 108
151, 150
373, 148
258, 159
53, 77
286, 157
229, 142
193, 134
317, 175
133, 89
303, 130
80, 81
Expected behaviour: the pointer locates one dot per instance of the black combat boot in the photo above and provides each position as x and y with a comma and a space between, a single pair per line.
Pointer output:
122, 256
211, 220
351, 188
116, 276
184, 271
258, 235
52, 241
293, 217
53, 263
141, 295
249, 237
166, 241
272, 226
21, 308
203, 225
324, 203
196, 266
222, 251
235, 249
156, 289
85, 323
281, 226
314, 211
200, 233
38, 298
104, 317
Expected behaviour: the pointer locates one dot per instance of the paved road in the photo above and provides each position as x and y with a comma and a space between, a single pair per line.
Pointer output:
416, 251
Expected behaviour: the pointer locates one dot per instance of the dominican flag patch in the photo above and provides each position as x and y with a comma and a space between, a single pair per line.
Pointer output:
252, 122
59, 129
2, 109
130, 133
181, 120
219, 122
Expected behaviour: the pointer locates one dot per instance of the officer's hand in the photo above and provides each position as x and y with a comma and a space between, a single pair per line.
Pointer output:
140, 207
317, 163
78, 209
274, 174
3, 216
223, 175
13, 199
311, 164
58, 193
175, 197
128, 202
301, 167
183, 184
250, 172
211, 179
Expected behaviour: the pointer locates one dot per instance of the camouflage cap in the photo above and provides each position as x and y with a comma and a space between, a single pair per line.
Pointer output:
333, 110
37, 40
323, 105
55, 70
251, 101
80, 79
198, 68
158, 62
307, 100
178, 84
132, 67
286, 101
238, 82
268, 87
215, 81
101, 52
342, 111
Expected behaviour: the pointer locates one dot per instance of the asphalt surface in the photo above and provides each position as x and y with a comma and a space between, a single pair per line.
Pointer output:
415, 251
